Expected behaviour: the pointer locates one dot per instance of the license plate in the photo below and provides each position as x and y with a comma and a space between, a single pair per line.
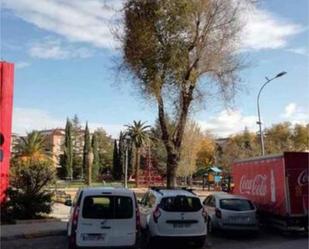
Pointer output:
93, 237
238, 220
181, 225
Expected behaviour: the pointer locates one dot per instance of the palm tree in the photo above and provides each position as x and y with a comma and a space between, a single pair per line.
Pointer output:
138, 132
32, 146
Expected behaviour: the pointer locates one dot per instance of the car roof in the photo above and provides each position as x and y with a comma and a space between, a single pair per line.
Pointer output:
224, 195
106, 190
173, 192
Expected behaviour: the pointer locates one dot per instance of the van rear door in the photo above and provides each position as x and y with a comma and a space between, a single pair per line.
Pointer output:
106, 220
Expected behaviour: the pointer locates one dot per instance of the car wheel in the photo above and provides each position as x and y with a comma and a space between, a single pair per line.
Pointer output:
199, 243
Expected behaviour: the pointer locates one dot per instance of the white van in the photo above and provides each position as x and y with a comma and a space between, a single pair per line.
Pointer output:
104, 217
173, 214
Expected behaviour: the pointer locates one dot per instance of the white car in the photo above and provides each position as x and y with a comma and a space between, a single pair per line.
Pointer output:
173, 214
230, 212
104, 217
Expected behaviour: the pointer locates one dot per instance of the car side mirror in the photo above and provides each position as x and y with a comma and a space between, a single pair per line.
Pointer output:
68, 203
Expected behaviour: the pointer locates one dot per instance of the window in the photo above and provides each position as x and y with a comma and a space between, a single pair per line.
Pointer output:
206, 201
145, 199
108, 207
152, 200
181, 204
210, 201
236, 204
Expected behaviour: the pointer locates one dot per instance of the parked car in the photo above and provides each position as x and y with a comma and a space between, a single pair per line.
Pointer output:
230, 212
104, 217
173, 214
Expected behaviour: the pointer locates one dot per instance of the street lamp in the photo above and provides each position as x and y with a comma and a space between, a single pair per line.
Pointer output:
258, 109
127, 141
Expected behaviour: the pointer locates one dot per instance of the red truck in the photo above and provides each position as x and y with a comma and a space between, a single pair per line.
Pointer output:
278, 186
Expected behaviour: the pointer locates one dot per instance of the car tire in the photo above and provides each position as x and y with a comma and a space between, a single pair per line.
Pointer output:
199, 243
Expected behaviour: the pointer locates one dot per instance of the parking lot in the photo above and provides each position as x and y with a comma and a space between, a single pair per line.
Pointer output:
266, 239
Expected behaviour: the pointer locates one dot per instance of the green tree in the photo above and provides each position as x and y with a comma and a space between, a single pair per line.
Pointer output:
77, 142
117, 167
28, 194
279, 138
68, 150
32, 146
105, 148
168, 46
96, 157
139, 134
86, 150
301, 137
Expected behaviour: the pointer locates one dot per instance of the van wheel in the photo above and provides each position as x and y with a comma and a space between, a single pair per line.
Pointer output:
145, 239
71, 244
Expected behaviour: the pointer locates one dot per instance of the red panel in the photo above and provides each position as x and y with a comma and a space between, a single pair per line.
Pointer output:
6, 103
262, 180
297, 164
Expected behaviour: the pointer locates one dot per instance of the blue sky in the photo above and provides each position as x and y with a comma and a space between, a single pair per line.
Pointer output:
66, 62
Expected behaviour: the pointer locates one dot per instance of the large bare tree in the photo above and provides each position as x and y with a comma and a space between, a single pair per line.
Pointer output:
176, 49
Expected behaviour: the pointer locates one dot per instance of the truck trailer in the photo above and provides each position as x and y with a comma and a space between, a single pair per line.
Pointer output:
278, 186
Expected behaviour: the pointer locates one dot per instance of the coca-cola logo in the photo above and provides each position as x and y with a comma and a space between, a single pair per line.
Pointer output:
303, 178
253, 186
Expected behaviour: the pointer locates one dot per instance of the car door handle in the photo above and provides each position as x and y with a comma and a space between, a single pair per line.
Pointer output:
105, 227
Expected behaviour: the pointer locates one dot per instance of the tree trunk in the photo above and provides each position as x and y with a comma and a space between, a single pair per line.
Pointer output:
89, 161
137, 162
171, 169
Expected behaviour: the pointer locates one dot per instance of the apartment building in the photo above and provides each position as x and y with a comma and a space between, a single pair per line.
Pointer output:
54, 143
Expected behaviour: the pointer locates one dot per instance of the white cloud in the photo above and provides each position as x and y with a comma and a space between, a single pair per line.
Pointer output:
263, 30
55, 49
229, 122
295, 114
289, 110
299, 50
22, 64
79, 21
28, 119
91, 22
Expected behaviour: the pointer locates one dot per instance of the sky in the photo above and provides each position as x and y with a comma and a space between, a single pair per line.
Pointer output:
66, 63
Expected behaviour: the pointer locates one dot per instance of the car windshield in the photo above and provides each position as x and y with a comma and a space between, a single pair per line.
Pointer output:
181, 204
107, 207
236, 204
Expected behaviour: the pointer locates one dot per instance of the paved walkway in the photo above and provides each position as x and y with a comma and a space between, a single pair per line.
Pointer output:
32, 230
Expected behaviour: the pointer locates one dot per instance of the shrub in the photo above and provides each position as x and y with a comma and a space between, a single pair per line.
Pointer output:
28, 196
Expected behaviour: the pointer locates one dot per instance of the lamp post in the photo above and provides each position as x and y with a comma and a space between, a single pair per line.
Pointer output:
127, 141
258, 109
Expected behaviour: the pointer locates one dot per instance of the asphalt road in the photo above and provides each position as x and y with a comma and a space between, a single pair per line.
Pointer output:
265, 240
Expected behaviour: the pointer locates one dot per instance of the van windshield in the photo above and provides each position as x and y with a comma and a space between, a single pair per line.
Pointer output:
181, 204
107, 207
236, 204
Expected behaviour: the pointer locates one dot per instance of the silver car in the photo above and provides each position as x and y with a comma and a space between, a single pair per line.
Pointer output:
230, 212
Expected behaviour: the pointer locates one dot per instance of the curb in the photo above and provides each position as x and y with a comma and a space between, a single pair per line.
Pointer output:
34, 235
